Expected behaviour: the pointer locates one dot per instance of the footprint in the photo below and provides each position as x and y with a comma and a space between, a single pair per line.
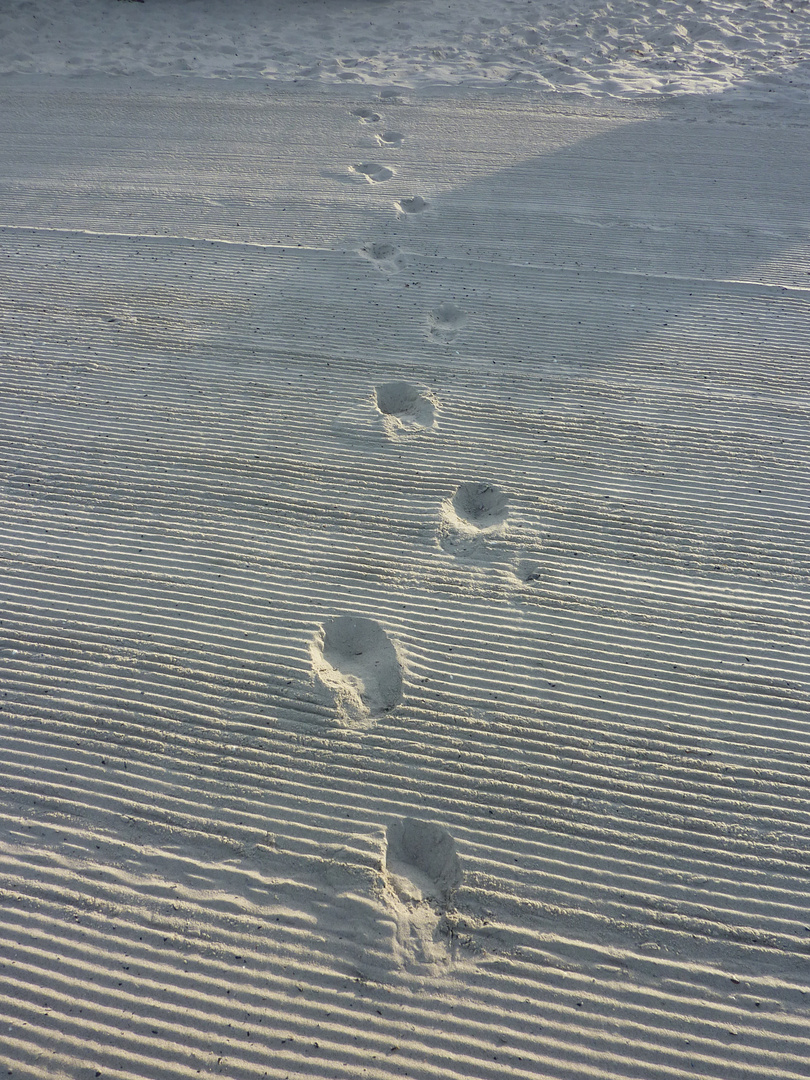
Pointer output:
386, 257
357, 663
391, 138
421, 862
446, 321
375, 174
404, 406
367, 116
421, 873
480, 506
473, 526
414, 204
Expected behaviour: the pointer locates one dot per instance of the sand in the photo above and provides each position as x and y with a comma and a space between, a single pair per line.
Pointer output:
615, 47
403, 630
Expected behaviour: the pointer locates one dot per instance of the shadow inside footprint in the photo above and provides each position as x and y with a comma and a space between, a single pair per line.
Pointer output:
413, 205
391, 138
445, 321
367, 116
386, 257
483, 506
357, 662
473, 525
422, 862
405, 405
374, 173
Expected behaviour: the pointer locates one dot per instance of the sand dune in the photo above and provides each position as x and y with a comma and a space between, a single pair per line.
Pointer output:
404, 621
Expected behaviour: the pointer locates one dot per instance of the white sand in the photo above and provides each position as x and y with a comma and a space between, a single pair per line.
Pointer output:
624, 47
404, 610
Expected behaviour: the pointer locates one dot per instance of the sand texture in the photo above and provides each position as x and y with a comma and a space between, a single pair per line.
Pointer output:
595, 47
404, 609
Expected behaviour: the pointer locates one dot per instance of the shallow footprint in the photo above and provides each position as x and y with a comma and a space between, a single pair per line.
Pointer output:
445, 321
386, 257
367, 116
391, 138
374, 173
528, 571
358, 664
412, 205
404, 406
422, 862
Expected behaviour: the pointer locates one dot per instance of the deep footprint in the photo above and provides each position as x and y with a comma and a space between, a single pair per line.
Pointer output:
422, 862
445, 321
413, 205
374, 173
483, 506
405, 405
386, 257
357, 662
